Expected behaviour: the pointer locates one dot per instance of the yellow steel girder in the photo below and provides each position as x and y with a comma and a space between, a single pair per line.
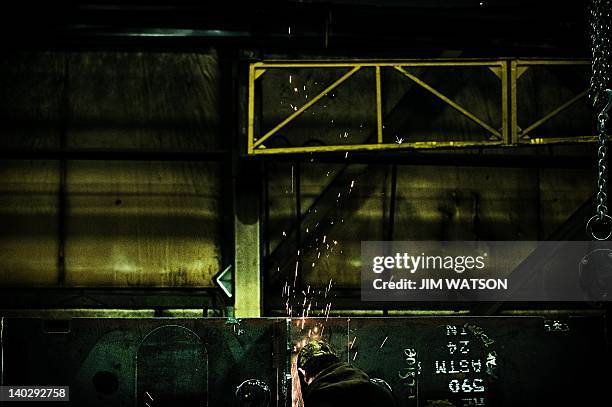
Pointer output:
508, 71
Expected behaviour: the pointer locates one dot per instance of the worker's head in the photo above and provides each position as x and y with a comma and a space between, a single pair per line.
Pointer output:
313, 358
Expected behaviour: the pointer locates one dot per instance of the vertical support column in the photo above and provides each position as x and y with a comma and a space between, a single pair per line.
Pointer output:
247, 188
63, 175
514, 138
251, 109
505, 130
378, 107
247, 270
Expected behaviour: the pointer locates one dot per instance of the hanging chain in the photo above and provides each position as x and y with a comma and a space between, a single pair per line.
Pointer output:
602, 171
600, 23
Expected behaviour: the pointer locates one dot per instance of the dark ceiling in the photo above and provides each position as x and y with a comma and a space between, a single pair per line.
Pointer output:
487, 27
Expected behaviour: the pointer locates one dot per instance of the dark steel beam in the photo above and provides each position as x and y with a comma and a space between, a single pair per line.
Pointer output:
113, 154
444, 159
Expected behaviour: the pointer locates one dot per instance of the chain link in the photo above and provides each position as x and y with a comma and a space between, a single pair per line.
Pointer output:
600, 24
602, 170
600, 19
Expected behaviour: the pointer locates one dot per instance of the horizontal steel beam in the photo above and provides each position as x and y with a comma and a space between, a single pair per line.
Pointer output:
448, 159
113, 154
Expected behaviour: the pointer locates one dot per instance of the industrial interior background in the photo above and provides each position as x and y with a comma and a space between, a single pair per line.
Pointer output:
142, 156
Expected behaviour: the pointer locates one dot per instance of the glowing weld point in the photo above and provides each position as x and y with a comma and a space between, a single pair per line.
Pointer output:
399, 140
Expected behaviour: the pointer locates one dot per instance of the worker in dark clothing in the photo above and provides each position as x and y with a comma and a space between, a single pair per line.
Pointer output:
328, 382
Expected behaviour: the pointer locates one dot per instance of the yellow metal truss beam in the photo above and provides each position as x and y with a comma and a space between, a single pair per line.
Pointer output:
553, 113
305, 106
508, 71
449, 102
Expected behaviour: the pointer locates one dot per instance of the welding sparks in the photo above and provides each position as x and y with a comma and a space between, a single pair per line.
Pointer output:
353, 343
327, 310
354, 356
383, 342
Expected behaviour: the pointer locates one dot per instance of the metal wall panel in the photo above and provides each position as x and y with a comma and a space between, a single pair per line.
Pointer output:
105, 361
117, 223
427, 361
143, 224
29, 223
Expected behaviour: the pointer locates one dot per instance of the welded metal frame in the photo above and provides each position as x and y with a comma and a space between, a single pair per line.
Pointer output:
522, 136
507, 70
